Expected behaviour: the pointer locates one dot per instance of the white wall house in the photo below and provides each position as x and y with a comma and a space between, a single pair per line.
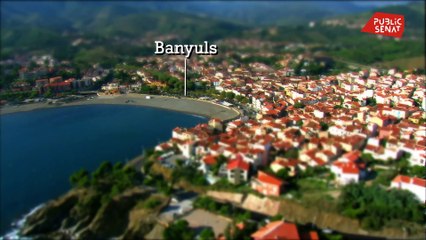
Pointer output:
345, 172
413, 184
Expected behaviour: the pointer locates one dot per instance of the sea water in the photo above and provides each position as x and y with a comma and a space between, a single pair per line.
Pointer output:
41, 149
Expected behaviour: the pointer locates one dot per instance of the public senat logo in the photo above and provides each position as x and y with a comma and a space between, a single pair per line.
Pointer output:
385, 24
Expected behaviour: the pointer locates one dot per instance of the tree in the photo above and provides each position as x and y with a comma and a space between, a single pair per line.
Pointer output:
152, 203
367, 158
233, 232
230, 95
277, 217
189, 173
33, 94
123, 76
324, 126
107, 180
179, 230
243, 216
203, 202
372, 223
145, 89
371, 102
225, 210
118, 166
375, 206
299, 105
207, 234
147, 166
164, 187
292, 153
403, 165
418, 171
104, 169
80, 178
385, 177
48, 93
283, 174
228, 232
219, 161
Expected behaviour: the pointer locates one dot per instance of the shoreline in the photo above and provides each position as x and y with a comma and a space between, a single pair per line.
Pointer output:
184, 105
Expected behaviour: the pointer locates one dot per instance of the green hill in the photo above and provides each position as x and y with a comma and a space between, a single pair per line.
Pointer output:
115, 32
119, 31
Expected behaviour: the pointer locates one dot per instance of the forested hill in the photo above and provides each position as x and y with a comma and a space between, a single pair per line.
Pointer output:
123, 30
112, 20
112, 31
256, 13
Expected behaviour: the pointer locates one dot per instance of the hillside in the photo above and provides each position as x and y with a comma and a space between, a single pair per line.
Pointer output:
111, 20
122, 30
113, 32
259, 13
254, 13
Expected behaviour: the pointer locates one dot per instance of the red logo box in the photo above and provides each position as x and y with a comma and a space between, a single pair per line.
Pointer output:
385, 24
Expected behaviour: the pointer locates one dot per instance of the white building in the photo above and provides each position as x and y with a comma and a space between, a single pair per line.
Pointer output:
415, 185
345, 172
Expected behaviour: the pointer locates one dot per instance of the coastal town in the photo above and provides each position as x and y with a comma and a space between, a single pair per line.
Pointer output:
222, 120
354, 127
357, 127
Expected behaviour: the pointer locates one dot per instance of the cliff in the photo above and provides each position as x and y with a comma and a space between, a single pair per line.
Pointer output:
83, 214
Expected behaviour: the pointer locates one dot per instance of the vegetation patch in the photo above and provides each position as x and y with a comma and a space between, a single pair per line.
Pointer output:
375, 206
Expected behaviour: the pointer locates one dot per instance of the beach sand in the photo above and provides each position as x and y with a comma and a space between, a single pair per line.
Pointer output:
186, 105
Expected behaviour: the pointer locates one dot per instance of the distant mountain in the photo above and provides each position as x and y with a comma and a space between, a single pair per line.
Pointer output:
109, 31
259, 13
118, 31
106, 20
254, 13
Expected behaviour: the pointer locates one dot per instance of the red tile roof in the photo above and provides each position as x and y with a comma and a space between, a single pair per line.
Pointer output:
347, 168
285, 162
209, 160
263, 177
350, 169
352, 156
419, 181
240, 225
401, 178
406, 179
277, 230
238, 163
319, 161
312, 235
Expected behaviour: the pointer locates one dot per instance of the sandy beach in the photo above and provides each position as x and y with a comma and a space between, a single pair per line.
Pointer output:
186, 105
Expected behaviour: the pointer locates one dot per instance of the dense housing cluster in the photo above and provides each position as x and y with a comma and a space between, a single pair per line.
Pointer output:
335, 122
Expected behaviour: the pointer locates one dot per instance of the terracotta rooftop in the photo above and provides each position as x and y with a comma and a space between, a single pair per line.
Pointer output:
238, 163
266, 178
277, 230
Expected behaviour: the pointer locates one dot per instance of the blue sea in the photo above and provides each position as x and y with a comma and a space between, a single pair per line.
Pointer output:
40, 149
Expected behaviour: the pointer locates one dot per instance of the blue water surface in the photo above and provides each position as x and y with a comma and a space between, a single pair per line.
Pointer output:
40, 149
